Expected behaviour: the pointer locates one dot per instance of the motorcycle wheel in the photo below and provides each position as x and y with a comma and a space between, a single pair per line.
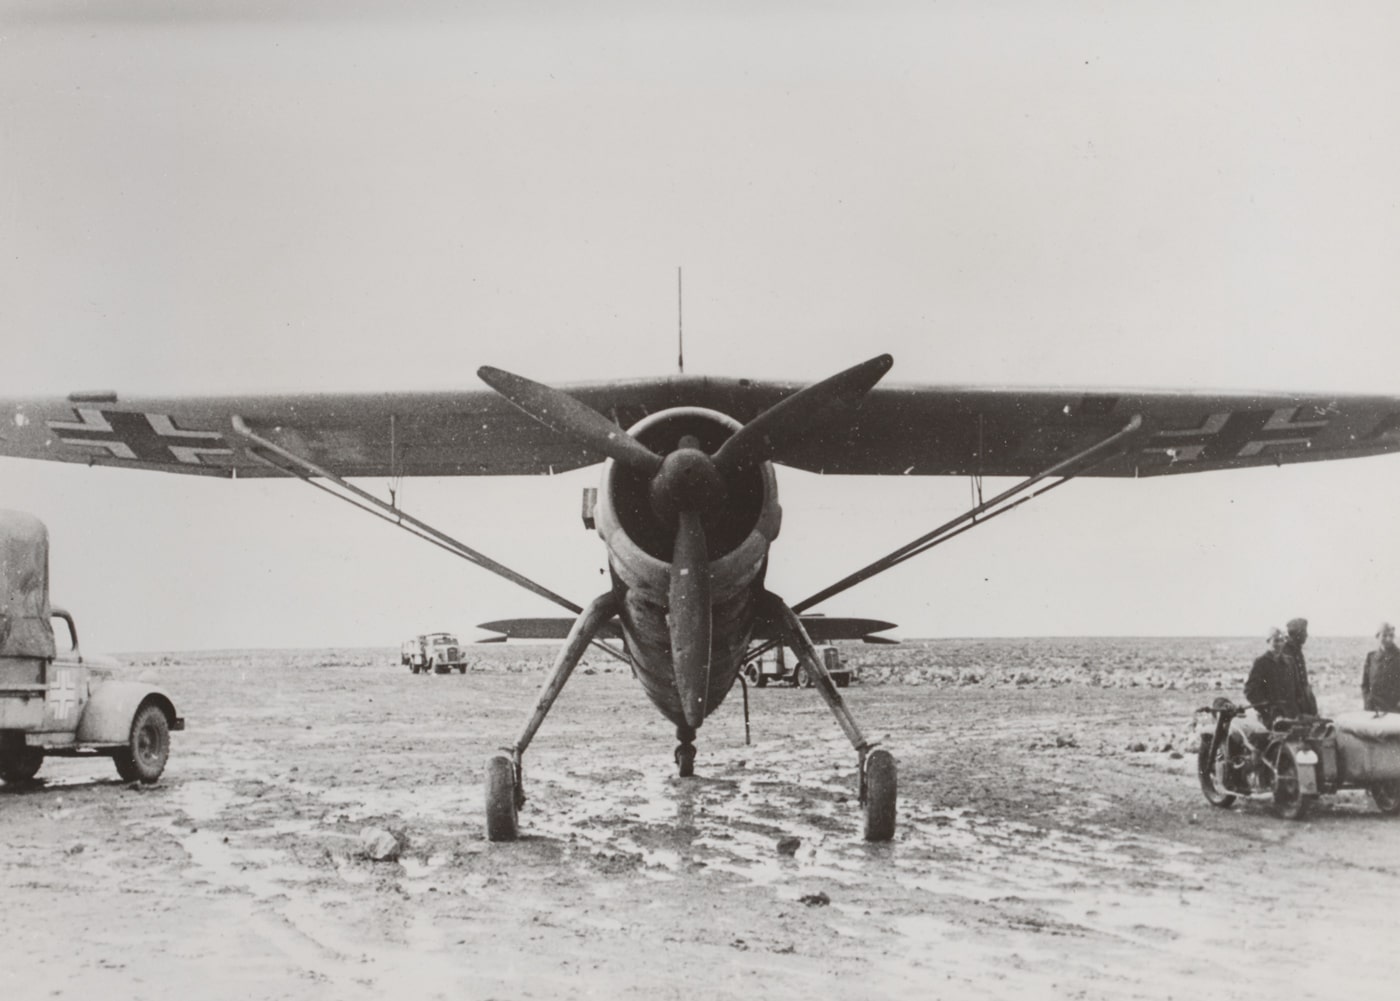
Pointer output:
1212, 761
1289, 803
1386, 796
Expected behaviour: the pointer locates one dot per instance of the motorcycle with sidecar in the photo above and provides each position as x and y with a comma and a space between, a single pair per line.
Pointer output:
1295, 760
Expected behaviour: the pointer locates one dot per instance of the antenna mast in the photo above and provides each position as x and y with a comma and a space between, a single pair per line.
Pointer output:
680, 326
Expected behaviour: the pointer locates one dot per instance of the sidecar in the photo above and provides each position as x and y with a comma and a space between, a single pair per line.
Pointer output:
1368, 755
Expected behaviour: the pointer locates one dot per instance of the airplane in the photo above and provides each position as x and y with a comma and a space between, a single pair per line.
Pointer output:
687, 504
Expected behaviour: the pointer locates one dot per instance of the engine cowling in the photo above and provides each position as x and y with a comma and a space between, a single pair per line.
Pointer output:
739, 527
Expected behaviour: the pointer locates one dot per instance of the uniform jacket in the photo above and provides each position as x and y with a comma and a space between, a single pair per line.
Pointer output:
1293, 653
1274, 687
1380, 679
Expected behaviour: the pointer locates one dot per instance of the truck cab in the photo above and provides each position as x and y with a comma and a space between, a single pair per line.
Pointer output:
437, 653
780, 665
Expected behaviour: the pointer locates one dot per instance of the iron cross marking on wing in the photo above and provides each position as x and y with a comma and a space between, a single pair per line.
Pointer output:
141, 437
1241, 435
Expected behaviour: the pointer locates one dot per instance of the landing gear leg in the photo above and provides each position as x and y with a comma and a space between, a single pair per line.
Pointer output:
878, 786
685, 750
505, 773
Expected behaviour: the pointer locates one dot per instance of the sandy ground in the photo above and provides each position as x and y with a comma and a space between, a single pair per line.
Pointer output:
1036, 855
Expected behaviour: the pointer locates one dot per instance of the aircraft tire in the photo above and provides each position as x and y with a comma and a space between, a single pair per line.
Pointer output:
20, 764
880, 796
1386, 796
501, 819
148, 748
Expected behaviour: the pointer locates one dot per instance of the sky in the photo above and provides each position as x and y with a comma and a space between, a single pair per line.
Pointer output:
219, 197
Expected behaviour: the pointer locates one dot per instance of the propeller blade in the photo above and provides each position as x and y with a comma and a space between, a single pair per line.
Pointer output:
788, 421
689, 619
561, 412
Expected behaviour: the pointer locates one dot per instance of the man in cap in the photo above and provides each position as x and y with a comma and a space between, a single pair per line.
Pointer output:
1272, 687
1293, 653
1380, 678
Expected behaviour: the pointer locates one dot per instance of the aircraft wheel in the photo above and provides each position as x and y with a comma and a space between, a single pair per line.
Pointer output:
880, 796
501, 820
685, 760
1386, 796
147, 749
20, 763
1211, 765
1289, 803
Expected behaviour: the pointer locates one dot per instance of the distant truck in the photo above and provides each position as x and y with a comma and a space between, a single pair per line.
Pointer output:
439, 653
54, 701
780, 666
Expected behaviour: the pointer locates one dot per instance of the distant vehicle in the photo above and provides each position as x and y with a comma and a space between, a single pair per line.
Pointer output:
435, 652
54, 701
780, 666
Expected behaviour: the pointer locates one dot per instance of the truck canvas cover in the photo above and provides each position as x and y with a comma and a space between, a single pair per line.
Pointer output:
25, 630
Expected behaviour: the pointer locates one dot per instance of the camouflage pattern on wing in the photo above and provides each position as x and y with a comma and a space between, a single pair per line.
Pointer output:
899, 430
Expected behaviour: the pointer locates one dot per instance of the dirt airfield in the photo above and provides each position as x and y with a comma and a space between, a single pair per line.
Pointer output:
1052, 841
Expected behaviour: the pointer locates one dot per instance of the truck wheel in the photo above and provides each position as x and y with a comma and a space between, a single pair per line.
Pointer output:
1387, 796
20, 764
803, 678
461, 668
842, 680
148, 747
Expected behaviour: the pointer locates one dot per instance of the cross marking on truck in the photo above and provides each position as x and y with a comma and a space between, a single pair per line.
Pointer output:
63, 694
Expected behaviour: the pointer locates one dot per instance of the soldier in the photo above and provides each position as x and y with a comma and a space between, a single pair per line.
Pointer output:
1293, 653
1272, 686
1380, 677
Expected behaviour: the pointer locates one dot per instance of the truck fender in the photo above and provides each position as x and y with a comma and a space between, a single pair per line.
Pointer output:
112, 706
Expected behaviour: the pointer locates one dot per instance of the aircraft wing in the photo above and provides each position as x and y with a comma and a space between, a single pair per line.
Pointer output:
822, 629
899, 430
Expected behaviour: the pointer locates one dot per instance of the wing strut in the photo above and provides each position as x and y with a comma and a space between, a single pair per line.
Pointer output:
1000, 504
305, 470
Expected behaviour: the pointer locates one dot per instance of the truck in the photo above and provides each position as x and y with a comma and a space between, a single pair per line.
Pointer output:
780, 665
437, 653
54, 700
